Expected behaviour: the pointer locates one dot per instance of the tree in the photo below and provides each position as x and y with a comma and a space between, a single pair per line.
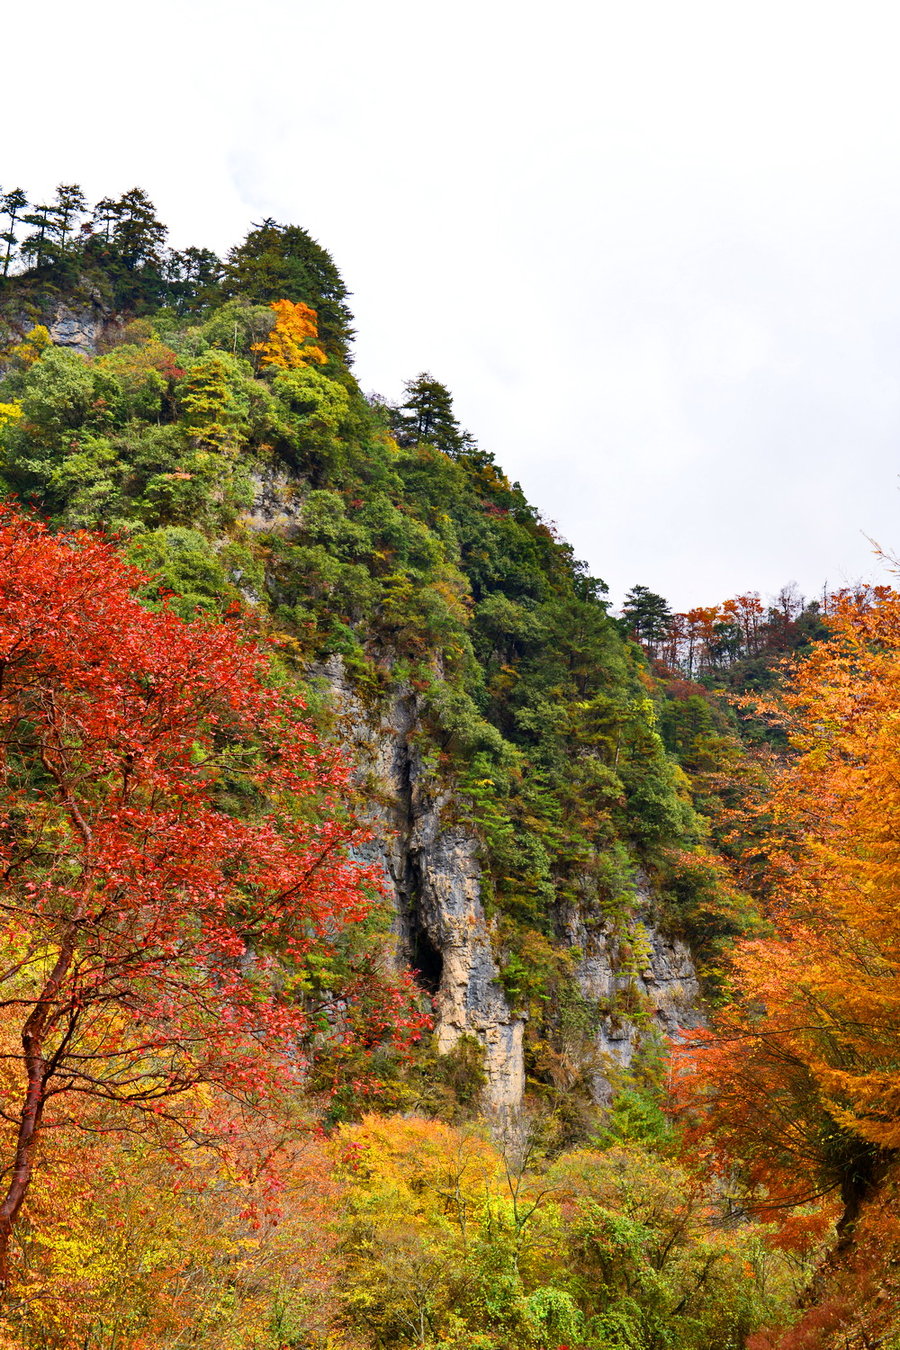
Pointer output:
214, 404
648, 615
69, 205
293, 340
801, 1078
427, 416
193, 278
105, 215
37, 245
284, 262
128, 244
747, 611
449, 1240
13, 204
137, 234
174, 859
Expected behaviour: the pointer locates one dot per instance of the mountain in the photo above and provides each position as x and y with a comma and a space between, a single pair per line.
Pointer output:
562, 812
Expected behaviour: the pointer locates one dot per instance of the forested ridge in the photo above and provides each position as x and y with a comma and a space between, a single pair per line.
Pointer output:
225, 1120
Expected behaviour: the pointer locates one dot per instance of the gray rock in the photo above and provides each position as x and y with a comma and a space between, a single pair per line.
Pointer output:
277, 503
640, 978
79, 329
430, 865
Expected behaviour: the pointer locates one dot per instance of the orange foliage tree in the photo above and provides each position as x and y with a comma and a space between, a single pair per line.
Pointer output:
293, 341
801, 1077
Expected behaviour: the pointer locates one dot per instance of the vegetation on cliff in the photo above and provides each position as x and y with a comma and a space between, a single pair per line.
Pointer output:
215, 434
390, 539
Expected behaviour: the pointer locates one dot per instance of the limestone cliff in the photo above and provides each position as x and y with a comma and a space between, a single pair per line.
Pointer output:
637, 977
80, 322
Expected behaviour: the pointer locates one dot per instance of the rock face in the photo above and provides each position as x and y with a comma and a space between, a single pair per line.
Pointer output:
640, 979
431, 868
636, 978
276, 504
632, 978
81, 329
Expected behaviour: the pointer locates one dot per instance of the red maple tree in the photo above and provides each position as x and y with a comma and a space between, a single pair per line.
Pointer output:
174, 862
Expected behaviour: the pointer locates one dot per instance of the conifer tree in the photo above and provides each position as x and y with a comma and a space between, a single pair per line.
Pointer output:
427, 416
69, 205
193, 278
35, 247
13, 203
649, 616
284, 262
130, 248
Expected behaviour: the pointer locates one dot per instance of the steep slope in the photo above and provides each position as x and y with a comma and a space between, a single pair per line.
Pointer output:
538, 840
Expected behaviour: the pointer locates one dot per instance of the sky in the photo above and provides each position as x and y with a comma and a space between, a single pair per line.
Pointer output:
652, 248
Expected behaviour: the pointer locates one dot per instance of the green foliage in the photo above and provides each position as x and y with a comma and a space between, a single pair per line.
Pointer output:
235, 327
214, 402
143, 374
449, 1240
648, 616
420, 565
184, 569
426, 418
312, 410
284, 262
537, 724
64, 392
637, 1115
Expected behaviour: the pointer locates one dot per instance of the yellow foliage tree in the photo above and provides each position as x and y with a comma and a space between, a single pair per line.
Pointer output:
843, 798
449, 1241
293, 341
30, 349
112, 1254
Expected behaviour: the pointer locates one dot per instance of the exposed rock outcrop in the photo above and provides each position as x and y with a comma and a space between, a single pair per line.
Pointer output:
79, 329
82, 325
276, 503
431, 866
637, 978
632, 976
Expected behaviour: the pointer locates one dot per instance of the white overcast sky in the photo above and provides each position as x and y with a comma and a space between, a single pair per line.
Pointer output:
652, 246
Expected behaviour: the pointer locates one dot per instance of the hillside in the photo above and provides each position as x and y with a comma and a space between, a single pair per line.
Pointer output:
569, 828
239, 462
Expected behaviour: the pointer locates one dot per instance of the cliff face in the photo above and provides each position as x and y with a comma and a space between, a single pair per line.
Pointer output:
81, 324
431, 869
638, 978
439, 559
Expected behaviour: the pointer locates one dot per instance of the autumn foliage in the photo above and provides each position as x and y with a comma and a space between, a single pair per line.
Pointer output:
801, 1076
453, 1240
293, 341
174, 852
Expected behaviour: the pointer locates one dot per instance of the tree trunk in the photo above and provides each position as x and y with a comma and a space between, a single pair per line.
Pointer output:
37, 1074
23, 1164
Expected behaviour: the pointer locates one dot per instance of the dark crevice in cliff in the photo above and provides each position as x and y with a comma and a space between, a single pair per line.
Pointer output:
426, 961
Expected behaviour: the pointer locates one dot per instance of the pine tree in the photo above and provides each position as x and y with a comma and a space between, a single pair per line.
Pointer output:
427, 416
138, 236
37, 246
284, 262
69, 205
649, 616
129, 246
13, 203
